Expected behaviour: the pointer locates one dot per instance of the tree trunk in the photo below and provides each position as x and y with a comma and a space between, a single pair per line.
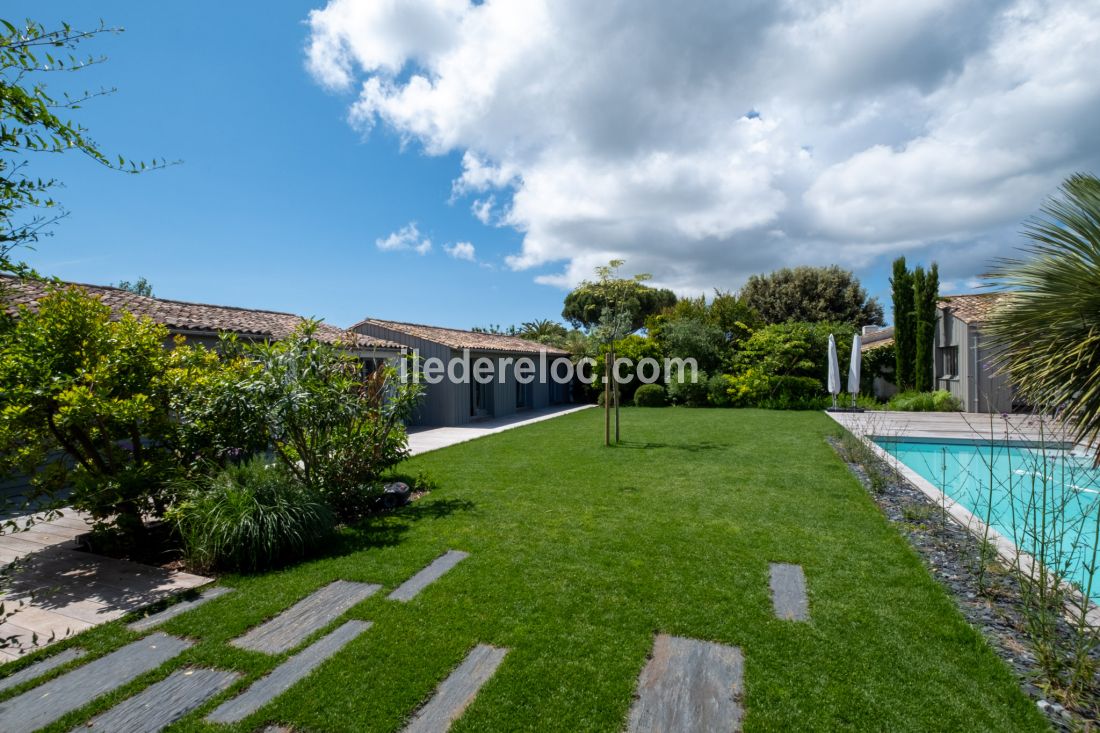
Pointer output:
615, 390
607, 400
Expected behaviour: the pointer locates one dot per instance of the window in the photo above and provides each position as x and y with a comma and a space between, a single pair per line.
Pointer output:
948, 361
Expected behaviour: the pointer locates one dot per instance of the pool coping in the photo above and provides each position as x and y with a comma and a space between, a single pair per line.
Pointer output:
1004, 547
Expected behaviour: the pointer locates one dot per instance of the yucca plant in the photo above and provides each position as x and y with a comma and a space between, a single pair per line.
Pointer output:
1048, 324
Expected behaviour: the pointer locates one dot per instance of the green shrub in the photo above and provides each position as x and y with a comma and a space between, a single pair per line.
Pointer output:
249, 518
600, 400
944, 401
333, 429
75, 381
783, 366
650, 395
718, 393
938, 401
688, 393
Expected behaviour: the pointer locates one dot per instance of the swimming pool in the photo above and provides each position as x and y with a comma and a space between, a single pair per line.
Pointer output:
1043, 498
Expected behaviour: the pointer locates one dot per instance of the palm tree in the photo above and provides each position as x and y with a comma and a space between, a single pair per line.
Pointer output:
543, 331
1048, 325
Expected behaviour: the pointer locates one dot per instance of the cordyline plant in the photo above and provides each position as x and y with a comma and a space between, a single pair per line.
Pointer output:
1048, 325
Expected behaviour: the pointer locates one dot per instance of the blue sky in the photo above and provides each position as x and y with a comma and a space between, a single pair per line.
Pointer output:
278, 202
543, 138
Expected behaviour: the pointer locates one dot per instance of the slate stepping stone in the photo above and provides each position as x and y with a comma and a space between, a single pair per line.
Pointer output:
159, 705
689, 685
52, 700
408, 590
40, 668
788, 585
176, 609
457, 691
283, 677
309, 615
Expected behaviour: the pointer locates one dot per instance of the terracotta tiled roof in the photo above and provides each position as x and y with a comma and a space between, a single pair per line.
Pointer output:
181, 316
878, 339
973, 308
457, 339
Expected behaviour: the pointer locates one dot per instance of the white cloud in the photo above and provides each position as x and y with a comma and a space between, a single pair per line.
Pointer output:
461, 251
483, 209
406, 238
622, 128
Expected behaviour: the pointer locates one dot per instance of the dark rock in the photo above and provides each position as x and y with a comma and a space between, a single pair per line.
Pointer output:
395, 495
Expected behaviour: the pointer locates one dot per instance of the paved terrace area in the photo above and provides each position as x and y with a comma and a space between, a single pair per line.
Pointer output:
952, 425
59, 590
422, 440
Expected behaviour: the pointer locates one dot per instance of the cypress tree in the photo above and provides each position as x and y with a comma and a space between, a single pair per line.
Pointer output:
926, 290
904, 338
922, 347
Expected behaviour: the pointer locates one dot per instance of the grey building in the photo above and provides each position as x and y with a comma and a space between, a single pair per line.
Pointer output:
963, 358
197, 323
458, 398
880, 337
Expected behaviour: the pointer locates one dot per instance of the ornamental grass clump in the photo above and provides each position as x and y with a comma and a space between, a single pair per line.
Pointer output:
249, 518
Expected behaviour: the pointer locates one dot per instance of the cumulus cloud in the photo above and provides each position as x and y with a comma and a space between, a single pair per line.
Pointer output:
461, 251
706, 142
406, 238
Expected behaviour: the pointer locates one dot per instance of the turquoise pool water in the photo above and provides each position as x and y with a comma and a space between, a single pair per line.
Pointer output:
1009, 483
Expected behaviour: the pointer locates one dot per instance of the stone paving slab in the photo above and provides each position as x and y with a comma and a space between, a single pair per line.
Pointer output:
177, 609
40, 668
689, 685
457, 691
161, 704
66, 590
287, 674
73, 690
411, 587
788, 584
309, 615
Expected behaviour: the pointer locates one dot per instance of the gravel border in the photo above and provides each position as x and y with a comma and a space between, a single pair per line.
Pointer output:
952, 555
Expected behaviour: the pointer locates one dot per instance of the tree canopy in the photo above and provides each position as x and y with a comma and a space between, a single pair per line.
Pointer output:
585, 305
812, 295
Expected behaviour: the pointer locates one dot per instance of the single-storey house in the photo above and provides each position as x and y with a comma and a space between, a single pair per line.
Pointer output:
197, 322
458, 397
878, 337
963, 358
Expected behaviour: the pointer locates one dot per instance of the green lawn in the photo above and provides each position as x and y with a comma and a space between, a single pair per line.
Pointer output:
580, 554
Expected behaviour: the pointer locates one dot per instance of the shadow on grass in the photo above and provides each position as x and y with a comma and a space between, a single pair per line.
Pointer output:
697, 447
387, 530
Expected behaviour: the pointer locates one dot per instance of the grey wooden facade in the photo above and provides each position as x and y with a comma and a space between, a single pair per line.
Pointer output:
963, 364
451, 402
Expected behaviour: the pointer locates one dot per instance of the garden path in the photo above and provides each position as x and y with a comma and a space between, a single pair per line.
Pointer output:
422, 440
59, 590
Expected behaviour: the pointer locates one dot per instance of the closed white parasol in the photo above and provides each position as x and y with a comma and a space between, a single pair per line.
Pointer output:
834, 370
853, 367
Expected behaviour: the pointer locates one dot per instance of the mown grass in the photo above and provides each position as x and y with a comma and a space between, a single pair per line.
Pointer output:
580, 554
